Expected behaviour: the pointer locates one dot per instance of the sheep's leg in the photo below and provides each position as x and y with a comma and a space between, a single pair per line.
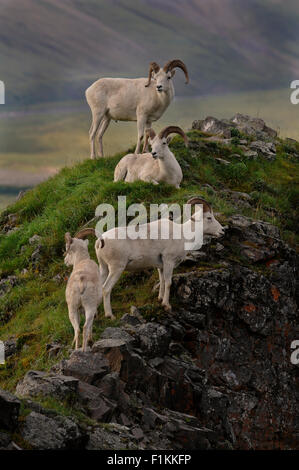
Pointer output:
148, 125
104, 271
162, 285
87, 329
102, 129
96, 121
167, 273
74, 317
149, 179
140, 132
110, 282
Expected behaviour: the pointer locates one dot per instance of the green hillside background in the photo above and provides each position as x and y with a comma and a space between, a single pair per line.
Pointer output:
52, 50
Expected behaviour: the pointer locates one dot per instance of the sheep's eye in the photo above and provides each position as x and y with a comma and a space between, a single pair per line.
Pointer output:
164, 143
168, 78
209, 218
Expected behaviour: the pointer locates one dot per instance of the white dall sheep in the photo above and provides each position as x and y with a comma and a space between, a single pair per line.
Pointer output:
116, 254
84, 287
125, 99
159, 165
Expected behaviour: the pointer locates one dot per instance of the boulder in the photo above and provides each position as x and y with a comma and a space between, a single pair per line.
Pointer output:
212, 125
37, 383
86, 366
98, 407
52, 433
253, 126
265, 149
153, 338
9, 410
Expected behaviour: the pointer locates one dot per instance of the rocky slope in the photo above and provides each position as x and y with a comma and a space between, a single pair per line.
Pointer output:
214, 374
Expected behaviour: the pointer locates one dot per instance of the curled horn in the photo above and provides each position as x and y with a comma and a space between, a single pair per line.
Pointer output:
199, 200
149, 134
68, 240
85, 232
154, 67
173, 130
172, 64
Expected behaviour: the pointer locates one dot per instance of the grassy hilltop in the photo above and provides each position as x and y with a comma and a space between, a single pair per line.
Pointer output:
34, 310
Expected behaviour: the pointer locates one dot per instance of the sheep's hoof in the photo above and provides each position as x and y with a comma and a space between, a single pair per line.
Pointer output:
167, 308
112, 317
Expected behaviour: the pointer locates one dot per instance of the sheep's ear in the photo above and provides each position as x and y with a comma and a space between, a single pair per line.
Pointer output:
169, 139
173, 73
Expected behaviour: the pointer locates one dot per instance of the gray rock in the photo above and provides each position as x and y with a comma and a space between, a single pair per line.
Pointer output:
5, 440
222, 161
111, 438
251, 154
37, 383
9, 410
99, 408
266, 149
117, 333
154, 339
56, 433
213, 125
7, 283
10, 347
253, 126
34, 239
133, 318
89, 367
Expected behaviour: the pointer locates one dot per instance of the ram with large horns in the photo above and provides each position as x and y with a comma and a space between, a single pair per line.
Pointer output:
143, 100
155, 167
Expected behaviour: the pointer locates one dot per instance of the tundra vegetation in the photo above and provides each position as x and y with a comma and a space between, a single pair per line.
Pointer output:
33, 275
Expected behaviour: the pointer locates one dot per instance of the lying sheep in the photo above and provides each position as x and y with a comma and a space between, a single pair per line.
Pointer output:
116, 255
159, 165
84, 287
131, 99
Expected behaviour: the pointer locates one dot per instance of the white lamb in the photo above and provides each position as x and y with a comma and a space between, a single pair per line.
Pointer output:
84, 287
155, 167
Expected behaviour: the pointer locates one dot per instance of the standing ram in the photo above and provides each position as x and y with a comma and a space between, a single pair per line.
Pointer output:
131, 99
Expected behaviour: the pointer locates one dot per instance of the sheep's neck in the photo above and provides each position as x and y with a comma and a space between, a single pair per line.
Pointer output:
79, 257
167, 96
168, 164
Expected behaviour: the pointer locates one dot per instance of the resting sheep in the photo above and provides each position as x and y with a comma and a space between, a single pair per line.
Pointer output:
159, 165
116, 255
126, 99
84, 287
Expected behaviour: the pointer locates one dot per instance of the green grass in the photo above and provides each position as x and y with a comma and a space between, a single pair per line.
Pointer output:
35, 310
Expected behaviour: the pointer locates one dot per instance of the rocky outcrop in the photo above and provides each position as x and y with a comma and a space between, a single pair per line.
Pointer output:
250, 126
214, 374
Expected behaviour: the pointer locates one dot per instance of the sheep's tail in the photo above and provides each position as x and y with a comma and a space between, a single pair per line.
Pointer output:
120, 172
82, 284
100, 243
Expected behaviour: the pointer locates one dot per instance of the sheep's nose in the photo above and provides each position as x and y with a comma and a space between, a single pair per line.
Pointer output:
154, 154
159, 87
